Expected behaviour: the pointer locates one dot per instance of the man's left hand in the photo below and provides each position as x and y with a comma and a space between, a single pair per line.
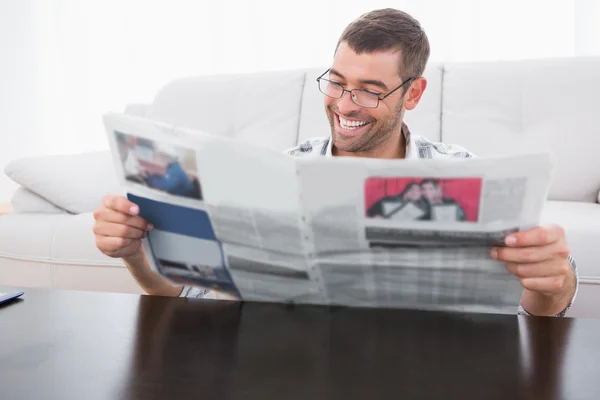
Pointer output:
539, 257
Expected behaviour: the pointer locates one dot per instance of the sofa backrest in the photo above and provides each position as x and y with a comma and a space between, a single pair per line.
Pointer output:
262, 107
278, 109
526, 106
491, 108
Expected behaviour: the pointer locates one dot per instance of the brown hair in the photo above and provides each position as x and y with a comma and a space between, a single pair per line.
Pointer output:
390, 29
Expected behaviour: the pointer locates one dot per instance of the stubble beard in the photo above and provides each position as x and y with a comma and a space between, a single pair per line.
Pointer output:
379, 132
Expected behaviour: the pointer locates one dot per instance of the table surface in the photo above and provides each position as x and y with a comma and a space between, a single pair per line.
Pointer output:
88, 345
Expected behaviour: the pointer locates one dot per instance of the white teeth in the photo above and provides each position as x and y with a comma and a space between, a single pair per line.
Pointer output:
351, 124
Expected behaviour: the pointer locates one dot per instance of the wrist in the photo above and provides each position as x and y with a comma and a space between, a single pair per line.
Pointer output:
150, 281
137, 259
550, 304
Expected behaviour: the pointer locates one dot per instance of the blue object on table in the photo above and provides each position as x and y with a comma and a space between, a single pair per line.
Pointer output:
4, 297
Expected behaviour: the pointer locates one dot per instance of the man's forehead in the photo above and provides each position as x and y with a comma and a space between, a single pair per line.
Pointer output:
367, 65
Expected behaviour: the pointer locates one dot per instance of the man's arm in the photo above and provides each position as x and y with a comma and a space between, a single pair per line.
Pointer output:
150, 281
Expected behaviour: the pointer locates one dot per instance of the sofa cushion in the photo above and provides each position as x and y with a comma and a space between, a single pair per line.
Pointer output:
75, 183
58, 251
25, 201
53, 238
262, 108
580, 221
510, 107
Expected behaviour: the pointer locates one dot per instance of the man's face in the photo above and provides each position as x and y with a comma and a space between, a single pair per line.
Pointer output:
414, 193
355, 128
432, 193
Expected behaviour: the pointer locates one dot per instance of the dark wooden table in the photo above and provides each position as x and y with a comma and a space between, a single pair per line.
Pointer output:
85, 345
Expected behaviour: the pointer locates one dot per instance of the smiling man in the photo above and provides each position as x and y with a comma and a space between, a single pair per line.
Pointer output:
376, 75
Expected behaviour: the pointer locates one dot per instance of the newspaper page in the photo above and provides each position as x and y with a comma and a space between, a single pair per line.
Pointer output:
418, 233
226, 215
259, 225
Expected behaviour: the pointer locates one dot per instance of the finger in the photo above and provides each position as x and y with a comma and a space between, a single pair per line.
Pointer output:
523, 255
549, 284
112, 244
538, 270
108, 215
118, 230
540, 236
121, 204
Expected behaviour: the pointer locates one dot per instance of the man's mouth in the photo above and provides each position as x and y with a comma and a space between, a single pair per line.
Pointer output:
350, 125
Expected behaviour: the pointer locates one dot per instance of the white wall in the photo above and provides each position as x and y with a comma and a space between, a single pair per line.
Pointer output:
586, 27
20, 104
68, 61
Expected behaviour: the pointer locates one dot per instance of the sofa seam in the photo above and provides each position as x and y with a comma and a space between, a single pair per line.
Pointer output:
305, 74
56, 261
443, 77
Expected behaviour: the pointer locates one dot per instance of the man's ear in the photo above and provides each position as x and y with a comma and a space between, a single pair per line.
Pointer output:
414, 93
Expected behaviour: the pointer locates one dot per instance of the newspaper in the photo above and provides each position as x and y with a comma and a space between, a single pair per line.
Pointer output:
259, 225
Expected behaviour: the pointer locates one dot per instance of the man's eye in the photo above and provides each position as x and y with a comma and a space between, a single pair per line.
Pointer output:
373, 93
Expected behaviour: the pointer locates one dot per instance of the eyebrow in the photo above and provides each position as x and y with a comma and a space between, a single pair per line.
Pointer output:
364, 81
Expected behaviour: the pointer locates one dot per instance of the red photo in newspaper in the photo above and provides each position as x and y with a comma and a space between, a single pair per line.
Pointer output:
423, 199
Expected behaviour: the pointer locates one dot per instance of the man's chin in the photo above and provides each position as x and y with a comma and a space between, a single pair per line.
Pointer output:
346, 142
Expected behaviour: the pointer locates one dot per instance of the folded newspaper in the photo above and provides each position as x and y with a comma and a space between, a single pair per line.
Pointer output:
261, 225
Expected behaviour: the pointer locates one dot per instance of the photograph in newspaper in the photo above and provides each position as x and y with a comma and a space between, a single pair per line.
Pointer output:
183, 246
423, 199
159, 165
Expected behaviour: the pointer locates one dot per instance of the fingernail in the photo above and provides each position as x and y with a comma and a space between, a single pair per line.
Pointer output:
150, 227
510, 240
133, 210
494, 253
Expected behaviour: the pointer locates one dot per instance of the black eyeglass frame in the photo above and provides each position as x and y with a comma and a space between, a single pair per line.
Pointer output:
344, 90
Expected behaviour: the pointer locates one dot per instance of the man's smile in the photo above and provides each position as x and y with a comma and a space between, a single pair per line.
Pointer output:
350, 126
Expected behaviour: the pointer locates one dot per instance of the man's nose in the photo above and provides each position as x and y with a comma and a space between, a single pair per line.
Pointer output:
346, 106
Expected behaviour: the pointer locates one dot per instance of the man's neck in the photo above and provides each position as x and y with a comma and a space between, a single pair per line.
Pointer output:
394, 147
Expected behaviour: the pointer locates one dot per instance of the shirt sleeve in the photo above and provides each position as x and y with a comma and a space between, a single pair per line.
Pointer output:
522, 311
193, 292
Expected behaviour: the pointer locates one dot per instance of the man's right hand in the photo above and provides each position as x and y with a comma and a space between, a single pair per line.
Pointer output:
119, 229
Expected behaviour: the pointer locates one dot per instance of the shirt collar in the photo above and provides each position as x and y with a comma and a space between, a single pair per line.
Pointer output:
411, 150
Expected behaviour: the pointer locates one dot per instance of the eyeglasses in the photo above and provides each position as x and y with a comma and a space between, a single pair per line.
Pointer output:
360, 97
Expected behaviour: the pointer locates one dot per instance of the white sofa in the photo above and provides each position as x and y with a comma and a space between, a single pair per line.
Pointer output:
490, 108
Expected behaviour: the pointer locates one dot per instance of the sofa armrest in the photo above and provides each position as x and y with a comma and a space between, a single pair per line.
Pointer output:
25, 201
73, 182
